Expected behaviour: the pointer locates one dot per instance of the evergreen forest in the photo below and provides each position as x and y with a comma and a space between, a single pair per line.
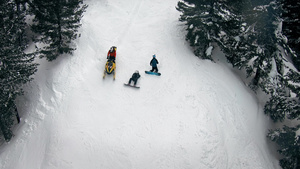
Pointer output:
260, 38
53, 28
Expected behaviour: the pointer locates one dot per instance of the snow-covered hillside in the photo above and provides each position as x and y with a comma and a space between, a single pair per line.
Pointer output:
196, 115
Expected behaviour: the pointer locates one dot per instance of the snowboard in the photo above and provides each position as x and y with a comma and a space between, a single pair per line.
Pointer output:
153, 73
126, 84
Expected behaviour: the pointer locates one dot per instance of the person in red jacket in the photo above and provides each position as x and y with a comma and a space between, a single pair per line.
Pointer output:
111, 54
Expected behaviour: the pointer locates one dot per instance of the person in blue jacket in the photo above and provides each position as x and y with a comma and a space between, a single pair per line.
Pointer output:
154, 63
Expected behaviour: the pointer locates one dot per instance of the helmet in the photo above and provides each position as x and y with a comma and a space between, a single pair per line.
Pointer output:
154, 56
136, 71
111, 49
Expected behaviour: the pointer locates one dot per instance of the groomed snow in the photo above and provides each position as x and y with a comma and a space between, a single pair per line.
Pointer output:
196, 115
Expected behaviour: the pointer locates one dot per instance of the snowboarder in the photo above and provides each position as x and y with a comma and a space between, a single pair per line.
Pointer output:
111, 54
154, 63
135, 76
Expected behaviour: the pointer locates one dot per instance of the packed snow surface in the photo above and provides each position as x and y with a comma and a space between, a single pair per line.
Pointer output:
196, 115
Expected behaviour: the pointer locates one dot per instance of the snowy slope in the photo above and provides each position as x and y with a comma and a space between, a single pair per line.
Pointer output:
198, 114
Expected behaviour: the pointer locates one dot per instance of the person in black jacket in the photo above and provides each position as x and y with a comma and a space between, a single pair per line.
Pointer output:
154, 63
135, 77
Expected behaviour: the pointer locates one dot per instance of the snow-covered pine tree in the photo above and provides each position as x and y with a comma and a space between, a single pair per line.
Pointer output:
285, 98
201, 25
237, 47
56, 24
16, 67
250, 39
278, 105
289, 143
270, 65
275, 76
293, 80
213, 21
268, 62
291, 28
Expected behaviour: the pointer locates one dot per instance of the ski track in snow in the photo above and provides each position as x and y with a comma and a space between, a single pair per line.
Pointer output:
186, 118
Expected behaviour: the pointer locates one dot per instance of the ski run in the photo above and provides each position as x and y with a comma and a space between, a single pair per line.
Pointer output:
197, 115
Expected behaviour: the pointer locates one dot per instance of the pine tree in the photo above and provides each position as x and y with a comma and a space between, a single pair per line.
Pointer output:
289, 144
56, 23
293, 83
291, 28
249, 40
276, 76
268, 57
16, 67
252, 39
234, 41
285, 100
213, 21
201, 27
270, 66
278, 107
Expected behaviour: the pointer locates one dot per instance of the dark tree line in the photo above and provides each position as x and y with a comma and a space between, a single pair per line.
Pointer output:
291, 28
261, 37
55, 25
16, 66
